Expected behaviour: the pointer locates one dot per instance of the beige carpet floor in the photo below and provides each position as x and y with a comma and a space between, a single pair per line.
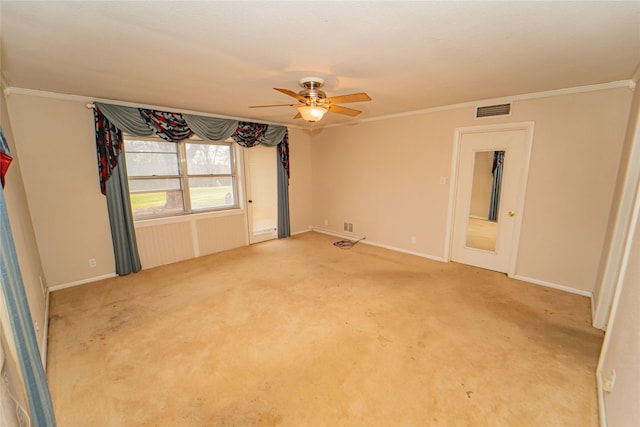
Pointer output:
296, 332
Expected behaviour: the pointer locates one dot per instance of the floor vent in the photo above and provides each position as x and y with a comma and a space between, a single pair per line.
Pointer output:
493, 110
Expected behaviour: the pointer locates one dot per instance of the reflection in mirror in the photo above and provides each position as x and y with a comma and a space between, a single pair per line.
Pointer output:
482, 229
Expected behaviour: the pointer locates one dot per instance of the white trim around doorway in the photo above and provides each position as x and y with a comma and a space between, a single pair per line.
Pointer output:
455, 160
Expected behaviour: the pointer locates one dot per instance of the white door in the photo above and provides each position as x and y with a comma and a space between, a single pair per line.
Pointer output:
262, 192
479, 238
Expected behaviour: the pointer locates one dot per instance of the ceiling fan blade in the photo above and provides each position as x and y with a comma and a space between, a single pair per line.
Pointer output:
354, 97
344, 110
274, 105
297, 116
291, 93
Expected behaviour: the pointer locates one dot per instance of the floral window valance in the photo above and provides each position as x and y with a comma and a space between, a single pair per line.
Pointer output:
110, 120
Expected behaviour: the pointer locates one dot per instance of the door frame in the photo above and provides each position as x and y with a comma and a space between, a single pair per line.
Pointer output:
528, 127
248, 198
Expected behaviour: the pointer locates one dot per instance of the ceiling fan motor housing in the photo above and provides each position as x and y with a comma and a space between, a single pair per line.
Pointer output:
312, 87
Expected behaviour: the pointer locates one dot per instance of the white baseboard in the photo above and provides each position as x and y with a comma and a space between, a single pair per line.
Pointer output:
555, 286
301, 232
333, 233
380, 245
404, 251
81, 282
45, 332
441, 259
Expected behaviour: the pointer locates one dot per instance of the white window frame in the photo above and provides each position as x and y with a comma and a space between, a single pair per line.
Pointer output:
183, 176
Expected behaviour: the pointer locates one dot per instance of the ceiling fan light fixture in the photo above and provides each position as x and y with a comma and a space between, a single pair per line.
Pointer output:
312, 113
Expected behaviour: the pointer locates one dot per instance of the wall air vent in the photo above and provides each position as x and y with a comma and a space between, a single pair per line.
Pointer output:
493, 110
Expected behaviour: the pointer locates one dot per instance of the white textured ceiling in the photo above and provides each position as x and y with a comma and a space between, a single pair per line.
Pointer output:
221, 57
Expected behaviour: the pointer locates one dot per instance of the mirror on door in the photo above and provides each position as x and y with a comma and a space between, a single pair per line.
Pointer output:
482, 229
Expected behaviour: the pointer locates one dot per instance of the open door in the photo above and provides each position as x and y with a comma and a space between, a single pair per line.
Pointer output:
262, 192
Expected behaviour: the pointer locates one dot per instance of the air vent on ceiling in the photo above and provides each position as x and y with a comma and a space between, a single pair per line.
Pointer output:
493, 110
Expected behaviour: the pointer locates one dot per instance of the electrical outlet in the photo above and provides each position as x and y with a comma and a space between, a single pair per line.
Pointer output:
350, 227
326, 222
413, 239
345, 227
92, 262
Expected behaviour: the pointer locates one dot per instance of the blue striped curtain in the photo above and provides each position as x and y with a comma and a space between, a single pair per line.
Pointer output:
494, 204
24, 335
115, 186
284, 223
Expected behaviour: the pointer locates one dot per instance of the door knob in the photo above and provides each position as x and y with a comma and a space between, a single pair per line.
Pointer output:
250, 201
512, 213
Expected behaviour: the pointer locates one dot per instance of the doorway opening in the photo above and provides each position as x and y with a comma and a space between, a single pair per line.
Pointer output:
262, 192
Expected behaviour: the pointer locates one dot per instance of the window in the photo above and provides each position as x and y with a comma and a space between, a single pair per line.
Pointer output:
167, 178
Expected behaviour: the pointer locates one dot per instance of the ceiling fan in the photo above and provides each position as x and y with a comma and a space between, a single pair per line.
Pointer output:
313, 102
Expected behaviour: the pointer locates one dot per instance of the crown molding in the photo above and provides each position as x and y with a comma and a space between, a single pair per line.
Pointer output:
631, 84
89, 100
503, 100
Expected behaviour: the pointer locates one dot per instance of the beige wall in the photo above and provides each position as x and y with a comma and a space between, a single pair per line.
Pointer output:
575, 157
384, 176
56, 147
619, 216
622, 347
300, 203
23, 232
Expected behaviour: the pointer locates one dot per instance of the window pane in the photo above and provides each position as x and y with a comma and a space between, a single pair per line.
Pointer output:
156, 184
131, 146
207, 159
152, 164
155, 197
211, 193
